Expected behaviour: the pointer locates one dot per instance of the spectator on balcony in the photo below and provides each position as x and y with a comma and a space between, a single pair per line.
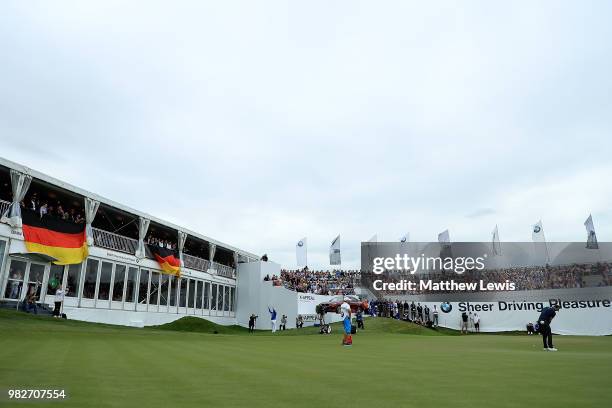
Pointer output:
33, 203
60, 210
44, 209
79, 219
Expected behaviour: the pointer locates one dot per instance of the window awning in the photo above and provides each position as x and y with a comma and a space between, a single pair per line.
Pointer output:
34, 256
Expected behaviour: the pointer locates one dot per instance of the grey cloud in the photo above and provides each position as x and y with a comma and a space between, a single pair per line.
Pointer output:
380, 118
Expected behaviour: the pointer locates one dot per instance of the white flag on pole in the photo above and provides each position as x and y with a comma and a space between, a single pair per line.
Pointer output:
301, 253
334, 252
539, 240
444, 237
495, 244
591, 236
537, 232
445, 247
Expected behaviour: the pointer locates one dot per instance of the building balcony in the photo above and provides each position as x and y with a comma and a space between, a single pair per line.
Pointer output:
109, 240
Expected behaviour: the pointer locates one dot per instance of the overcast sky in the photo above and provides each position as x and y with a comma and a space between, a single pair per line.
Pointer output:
259, 123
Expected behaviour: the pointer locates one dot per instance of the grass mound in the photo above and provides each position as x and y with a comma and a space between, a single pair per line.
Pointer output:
199, 325
372, 325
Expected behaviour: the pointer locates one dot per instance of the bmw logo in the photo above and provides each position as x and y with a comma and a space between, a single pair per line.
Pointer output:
300, 244
446, 307
537, 229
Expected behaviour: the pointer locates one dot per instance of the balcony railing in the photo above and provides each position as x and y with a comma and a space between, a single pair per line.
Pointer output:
193, 262
115, 242
4, 205
199, 264
223, 270
109, 240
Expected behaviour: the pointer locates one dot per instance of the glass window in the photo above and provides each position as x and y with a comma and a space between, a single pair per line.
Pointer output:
2, 247
220, 298
73, 280
143, 286
226, 299
35, 278
163, 289
56, 278
130, 288
105, 280
183, 297
192, 289
198, 302
206, 295
233, 299
118, 283
154, 292
173, 290
91, 273
213, 297
15, 279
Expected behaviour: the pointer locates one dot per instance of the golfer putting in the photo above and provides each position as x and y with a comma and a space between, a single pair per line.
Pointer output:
548, 313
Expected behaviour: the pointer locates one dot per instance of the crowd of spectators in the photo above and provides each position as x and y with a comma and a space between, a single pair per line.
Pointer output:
524, 278
334, 282
338, 282
411, 312
162, 243
55, 209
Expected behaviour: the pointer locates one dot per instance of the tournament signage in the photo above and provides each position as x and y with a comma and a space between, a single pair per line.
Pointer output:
589, 316
507, 284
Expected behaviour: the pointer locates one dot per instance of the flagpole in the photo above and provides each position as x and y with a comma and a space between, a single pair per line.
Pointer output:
546, 248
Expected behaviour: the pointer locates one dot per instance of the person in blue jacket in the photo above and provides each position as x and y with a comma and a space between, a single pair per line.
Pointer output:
272, 318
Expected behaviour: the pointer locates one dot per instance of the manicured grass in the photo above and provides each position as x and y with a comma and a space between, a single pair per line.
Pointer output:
194, 324
390, 364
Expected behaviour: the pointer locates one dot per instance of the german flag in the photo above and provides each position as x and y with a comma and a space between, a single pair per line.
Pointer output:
62, 240
168, 263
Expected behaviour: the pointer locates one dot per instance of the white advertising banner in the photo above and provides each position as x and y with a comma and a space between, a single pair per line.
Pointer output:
579, 315
307, 307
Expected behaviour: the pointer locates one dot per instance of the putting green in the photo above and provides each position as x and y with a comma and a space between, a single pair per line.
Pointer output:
390, 364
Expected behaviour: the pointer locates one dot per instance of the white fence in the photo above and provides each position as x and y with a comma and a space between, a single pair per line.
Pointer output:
115, 242
199, 264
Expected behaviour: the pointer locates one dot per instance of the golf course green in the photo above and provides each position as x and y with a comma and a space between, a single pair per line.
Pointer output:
391, 364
